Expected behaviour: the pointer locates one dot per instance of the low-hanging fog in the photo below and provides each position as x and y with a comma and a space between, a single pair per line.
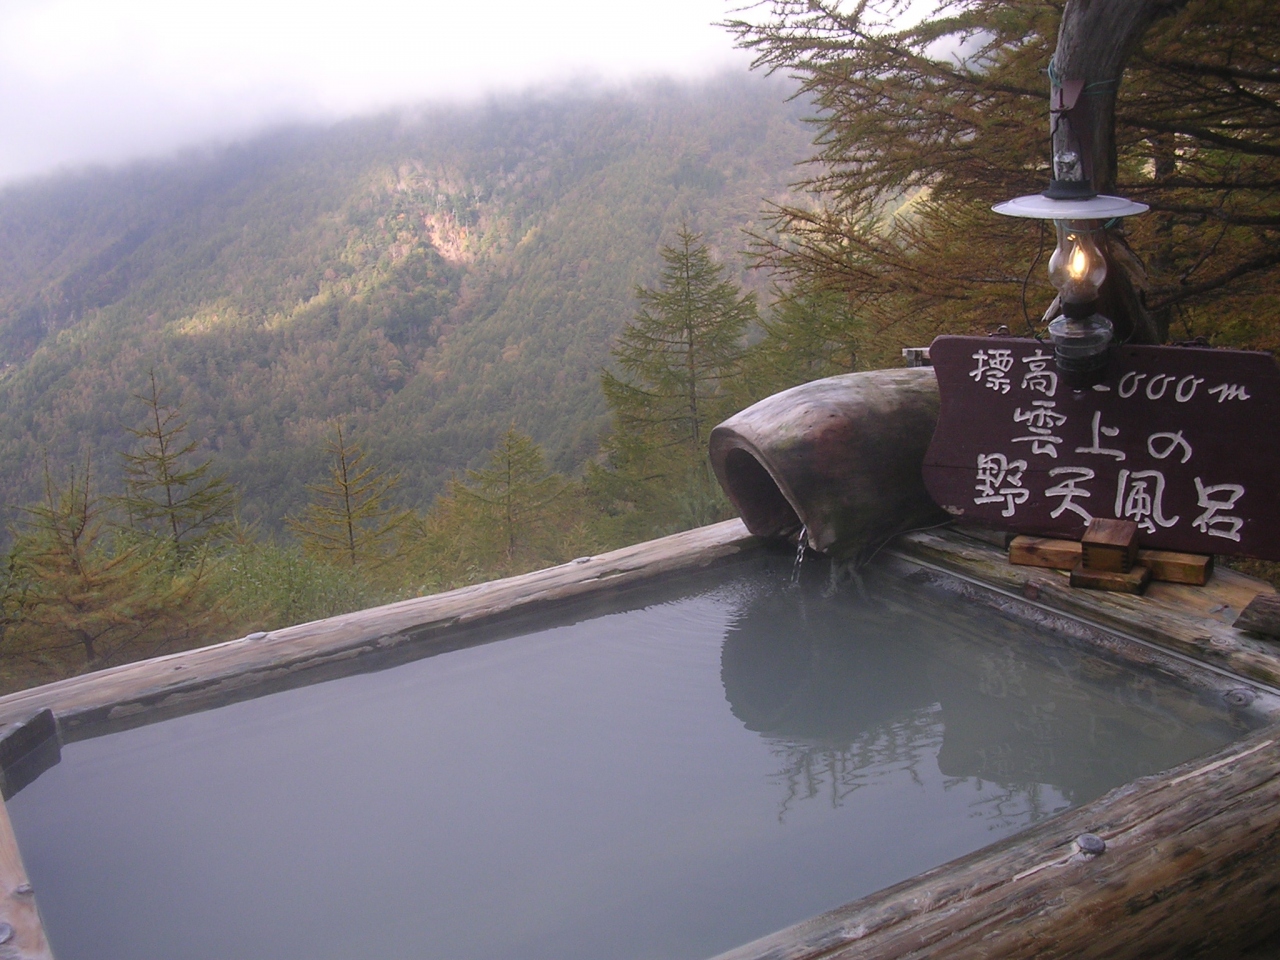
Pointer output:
85, 82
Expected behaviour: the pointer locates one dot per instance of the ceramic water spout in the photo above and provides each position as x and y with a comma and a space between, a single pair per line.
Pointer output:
840, 457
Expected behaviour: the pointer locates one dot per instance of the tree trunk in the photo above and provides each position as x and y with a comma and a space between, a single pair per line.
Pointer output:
1095, 40
89, 642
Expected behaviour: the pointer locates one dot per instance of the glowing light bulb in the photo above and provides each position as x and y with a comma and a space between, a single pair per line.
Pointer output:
1077, 267
1081, 336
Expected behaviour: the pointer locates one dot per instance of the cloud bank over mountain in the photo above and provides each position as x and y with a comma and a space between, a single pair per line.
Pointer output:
84, 82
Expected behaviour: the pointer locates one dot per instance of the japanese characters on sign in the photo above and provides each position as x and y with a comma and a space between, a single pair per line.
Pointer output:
1182, 441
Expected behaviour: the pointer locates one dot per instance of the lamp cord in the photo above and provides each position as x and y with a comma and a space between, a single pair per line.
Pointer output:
1027, 279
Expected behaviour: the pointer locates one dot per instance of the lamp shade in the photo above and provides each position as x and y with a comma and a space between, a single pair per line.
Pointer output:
1036, 206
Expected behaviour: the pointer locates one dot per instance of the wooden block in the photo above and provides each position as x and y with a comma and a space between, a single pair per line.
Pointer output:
1109, 546
1262, 615
1135, 581
1171, 567
27, 749
1165, 565
1115, 533
19, 739
1043, 552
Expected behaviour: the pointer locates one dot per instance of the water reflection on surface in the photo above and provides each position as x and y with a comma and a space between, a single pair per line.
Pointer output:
850, 686
720, 759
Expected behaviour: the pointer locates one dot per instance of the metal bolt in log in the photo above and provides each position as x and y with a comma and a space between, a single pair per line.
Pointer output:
1091, 845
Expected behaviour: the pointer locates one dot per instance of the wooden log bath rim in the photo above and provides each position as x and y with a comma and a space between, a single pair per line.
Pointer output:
1186, 863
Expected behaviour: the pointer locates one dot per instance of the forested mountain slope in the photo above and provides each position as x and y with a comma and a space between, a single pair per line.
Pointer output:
426, 280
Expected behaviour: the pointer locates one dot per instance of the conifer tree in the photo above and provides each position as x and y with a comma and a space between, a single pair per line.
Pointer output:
186, 506
348, 519
83, 591
923, 123
515, 494
682, 365
808, 334
681, 354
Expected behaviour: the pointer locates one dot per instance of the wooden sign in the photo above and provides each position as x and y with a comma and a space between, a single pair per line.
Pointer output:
1183, 441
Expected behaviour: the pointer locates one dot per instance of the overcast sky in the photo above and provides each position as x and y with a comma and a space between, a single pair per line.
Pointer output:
86, 81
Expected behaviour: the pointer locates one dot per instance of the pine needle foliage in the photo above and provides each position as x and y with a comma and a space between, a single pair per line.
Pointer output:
514, 495
15, 593
683, 365
348, 519
264, 585
85, 591
809, 334
640, 491
681, 354
185, 506
923, 123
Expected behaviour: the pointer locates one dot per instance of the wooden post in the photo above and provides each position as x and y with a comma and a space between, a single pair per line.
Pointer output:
1095, 41
21, 933
1134, 580
28, 747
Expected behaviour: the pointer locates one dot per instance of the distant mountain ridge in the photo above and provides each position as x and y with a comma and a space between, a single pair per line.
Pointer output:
427, 279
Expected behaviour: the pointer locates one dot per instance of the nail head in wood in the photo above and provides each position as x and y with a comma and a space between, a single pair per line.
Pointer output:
1240, 697
1090, 844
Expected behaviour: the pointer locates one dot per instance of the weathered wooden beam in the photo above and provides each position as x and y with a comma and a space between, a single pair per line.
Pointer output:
210, 676
1133, 580
21, 932
1262, 615
1052, 554
1191, 868
1169, 566
1194, 621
